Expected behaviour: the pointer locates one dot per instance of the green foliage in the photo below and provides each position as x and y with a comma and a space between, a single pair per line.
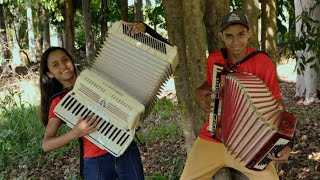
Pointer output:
21, 136
162, 108
156, 16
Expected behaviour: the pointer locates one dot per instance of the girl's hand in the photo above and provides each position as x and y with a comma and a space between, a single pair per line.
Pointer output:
86, 126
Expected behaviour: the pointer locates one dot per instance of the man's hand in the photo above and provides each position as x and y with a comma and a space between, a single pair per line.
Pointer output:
282, 156
203, 97
135, 27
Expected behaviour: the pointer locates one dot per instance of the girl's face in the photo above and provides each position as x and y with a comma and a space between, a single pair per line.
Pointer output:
61, 67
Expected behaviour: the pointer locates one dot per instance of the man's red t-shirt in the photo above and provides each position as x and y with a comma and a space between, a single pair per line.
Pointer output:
259, 65
90, 150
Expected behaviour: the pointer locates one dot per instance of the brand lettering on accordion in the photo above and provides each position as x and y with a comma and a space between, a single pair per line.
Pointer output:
252, 125
120, 88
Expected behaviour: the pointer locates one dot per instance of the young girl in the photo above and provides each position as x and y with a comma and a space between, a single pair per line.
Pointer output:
57, 77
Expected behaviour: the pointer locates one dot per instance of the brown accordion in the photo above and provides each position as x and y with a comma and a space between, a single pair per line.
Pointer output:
247, 119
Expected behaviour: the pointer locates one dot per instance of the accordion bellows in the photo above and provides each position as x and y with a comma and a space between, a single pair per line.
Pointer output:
120, 88
250, 124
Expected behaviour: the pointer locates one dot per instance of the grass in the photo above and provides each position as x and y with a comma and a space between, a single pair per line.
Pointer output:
21, 136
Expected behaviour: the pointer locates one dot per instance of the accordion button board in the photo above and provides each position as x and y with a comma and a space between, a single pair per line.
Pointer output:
120, 88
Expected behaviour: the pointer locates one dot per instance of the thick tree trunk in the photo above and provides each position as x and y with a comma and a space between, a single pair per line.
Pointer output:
269, 28
308, 81
124, 10
252, 10
215, 9
90, 50
175, 25
69, 28
32, 46
103, 20
138, 14
194, 32
4, 48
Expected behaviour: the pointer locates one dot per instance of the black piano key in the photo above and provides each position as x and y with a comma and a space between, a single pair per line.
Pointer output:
77, 106
124, 140
105, 128
85, 116
124, 133
66, 100
110, 127
116, 135
84, 112
114, 130
82, 106
101, 125
73, 105
69, 106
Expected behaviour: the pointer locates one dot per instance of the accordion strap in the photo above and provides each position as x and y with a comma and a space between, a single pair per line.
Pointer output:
225, 56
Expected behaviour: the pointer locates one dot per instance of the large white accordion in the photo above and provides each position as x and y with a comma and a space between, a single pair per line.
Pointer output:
120, 88
246, 118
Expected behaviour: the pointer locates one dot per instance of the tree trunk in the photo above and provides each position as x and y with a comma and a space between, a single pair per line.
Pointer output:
215, 9
252, 10
90, 50
46, 29
138, 14
308, 81
32, 46
103, 20
175, 25
124, 10
194, 32
4, 48
39, 27
269, 28
69, 28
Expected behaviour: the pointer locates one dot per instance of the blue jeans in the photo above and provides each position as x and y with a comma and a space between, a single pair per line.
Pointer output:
107, 167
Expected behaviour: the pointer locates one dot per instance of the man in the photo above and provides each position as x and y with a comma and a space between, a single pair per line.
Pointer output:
208, 155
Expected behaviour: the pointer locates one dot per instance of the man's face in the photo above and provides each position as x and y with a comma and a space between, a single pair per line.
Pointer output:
236, 38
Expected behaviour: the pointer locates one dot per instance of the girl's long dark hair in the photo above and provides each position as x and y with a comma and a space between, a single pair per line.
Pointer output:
48, 86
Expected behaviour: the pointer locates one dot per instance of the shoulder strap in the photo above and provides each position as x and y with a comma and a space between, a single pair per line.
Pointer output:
225, 56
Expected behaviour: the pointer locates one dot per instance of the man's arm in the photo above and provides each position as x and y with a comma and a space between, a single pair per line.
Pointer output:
203, 97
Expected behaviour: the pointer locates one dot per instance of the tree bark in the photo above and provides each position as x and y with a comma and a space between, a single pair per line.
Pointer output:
69, 28
4, 48
269, 28
32, 46
214, 10
194, 32
252, 11
308, 81
90, 50
46, 29
175, 25
124, 10
103, 20
39, 34
138, 14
